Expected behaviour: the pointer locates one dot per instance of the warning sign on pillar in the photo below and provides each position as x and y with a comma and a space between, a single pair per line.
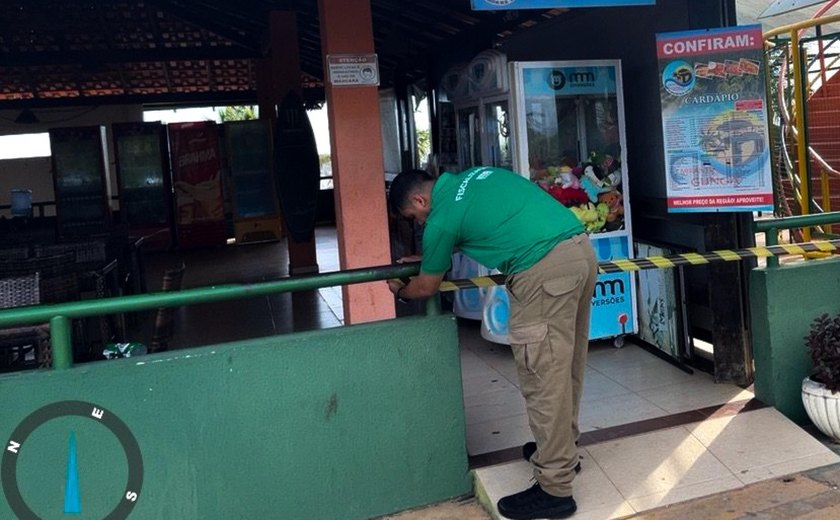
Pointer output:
353, 70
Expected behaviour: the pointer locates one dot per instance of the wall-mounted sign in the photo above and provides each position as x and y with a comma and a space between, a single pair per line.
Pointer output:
501, 5
353, 70
714, 120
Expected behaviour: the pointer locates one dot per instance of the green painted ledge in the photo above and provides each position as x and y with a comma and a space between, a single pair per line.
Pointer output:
343, 423
783, 302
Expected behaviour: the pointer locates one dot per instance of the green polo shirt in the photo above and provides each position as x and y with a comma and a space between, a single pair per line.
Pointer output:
496, 217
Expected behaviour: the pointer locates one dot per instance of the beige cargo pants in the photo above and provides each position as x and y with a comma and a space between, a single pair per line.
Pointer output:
550, 304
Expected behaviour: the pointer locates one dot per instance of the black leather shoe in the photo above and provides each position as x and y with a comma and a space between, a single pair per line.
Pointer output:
529, 448
536, 503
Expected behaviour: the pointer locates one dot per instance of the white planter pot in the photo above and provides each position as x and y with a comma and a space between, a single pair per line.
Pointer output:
822, 406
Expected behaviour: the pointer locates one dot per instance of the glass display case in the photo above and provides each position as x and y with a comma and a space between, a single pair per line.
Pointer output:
469, 137
498, 149
447, 137
142, 161
570, 115
484, 139
256, 214
478, 99
80, 181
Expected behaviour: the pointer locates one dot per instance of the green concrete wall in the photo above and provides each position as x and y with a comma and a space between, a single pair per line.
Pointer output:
783, 303
343, 423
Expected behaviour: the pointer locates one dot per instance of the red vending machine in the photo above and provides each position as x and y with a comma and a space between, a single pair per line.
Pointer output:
197, 182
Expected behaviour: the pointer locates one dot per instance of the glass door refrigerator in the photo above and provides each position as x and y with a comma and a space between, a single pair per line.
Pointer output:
142, 161
467, 302
568, 117
80, 180
256, 210
483, 132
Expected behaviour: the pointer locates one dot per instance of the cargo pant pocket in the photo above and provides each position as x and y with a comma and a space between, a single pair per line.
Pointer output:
526, 342
561, 286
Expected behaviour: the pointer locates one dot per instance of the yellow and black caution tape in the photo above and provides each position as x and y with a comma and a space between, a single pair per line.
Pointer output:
670, 261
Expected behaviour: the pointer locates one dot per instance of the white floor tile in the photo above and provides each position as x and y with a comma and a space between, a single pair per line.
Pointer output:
699, 392
593, 490
656, 462
481, 384
608, 357
503, 479
498, 404
494, 353
683, 493
606, 513
760, 438
510, 373
616, 410
597, 386
644, 376
472, 366
787, 467
495, 435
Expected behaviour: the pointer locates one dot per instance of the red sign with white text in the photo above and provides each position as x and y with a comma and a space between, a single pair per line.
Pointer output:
196, 175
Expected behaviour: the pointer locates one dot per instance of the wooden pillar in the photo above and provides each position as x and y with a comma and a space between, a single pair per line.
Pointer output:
277, 75
358, 175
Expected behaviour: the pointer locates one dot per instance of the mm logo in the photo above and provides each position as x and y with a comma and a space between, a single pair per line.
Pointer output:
607, 288
557, 79
582, 77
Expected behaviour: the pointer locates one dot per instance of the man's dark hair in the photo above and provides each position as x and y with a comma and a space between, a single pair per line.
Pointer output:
404, 185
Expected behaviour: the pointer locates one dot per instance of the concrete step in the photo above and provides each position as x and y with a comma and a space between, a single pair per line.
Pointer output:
670, 466
813, 495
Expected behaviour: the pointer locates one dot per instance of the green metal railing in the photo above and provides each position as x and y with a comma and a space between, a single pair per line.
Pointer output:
771, 227
60, 315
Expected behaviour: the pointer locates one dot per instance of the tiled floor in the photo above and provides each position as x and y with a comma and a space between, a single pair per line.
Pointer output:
252, 318
642, 472
621, 386
633, 473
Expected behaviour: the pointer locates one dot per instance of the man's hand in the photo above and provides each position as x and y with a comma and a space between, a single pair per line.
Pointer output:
420, 286
395, 285
409, 259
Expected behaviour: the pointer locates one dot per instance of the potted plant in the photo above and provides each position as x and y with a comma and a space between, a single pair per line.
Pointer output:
821, 391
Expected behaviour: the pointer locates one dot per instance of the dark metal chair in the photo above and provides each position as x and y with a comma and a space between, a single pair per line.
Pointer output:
23, 347
58, 282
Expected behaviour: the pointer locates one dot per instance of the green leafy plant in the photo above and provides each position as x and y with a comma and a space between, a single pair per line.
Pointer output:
237, 113
823, 344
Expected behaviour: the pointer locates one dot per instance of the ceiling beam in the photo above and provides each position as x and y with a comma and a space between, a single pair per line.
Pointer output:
105, 56
198, 99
